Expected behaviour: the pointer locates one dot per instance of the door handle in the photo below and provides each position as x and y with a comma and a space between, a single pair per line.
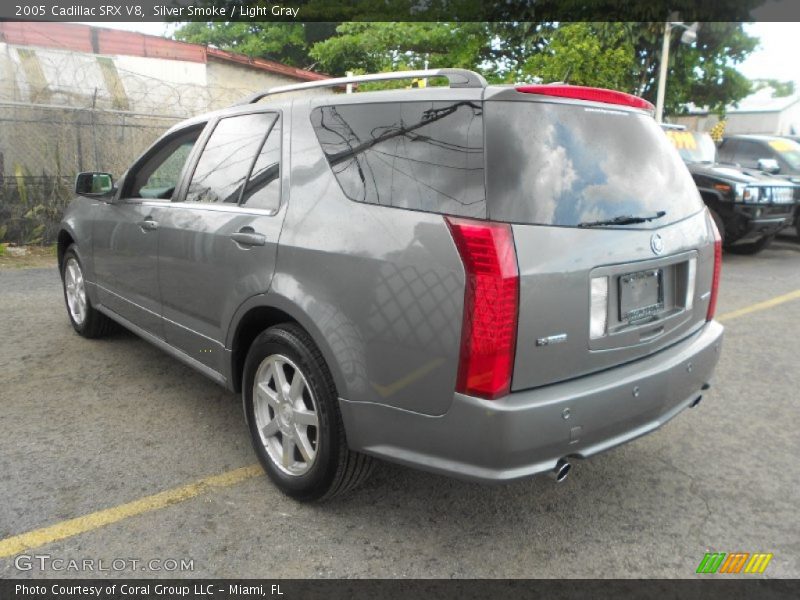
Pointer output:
247, 237
148, 224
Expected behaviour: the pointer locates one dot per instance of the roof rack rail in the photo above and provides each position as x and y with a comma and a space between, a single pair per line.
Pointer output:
458, 78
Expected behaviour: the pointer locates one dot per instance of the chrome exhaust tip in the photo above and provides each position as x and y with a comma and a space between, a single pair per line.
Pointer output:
561, 470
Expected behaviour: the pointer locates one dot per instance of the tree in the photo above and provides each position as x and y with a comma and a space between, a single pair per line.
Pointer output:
288, 43
617, 55
780, 89
585, 54
626, 56
374, 47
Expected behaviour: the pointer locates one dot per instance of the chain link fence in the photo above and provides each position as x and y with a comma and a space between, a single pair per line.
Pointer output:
42, 148
64, 112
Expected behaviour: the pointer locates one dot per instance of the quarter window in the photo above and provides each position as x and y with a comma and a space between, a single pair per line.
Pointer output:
228, 157
417, 155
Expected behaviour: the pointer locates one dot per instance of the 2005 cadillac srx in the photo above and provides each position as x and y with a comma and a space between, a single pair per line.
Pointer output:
481, 281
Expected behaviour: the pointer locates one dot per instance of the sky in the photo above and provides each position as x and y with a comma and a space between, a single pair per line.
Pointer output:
776, 57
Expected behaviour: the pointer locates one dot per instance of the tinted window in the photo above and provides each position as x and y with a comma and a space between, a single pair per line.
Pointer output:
788, 150
227, 157
159, 175
748, 153
418, 155
264, 185
693, 146
561, 164
727, 150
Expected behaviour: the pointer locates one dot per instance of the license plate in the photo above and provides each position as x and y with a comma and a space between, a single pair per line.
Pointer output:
640, 295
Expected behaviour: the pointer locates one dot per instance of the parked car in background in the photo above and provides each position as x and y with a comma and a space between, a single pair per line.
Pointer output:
482, 281
749, 206
777, 155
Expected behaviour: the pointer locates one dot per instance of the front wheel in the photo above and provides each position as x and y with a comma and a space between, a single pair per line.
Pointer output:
85, 320
755, 247
797, 225
291, 407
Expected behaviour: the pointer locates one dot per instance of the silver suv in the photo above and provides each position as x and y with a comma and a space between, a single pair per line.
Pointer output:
481, 281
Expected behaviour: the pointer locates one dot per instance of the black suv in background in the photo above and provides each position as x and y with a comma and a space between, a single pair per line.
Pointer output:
777, 155
748, 205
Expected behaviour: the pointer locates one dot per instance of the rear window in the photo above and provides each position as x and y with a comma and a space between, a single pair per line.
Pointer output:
693, 146
567, 165
417, 155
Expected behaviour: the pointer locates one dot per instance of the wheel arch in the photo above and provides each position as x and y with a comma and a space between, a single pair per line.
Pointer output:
64, 240
264, 311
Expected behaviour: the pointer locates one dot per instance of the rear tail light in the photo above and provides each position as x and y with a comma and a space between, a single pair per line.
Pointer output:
491, 305
712, 301
580, 92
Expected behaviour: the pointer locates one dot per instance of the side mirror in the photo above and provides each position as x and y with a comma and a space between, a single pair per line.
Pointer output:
768, 165
94, 184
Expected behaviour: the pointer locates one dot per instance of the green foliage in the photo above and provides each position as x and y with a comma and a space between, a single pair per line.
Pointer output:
374, 47
780, 89
288, 43
595, 54
31, 207
705, 73
619, 55
626, 56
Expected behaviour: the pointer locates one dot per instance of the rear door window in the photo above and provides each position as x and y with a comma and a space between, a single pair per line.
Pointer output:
264, 184
571, 164
417, 155
228, 157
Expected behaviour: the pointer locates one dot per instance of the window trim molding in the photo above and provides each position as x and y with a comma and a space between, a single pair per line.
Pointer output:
179, 198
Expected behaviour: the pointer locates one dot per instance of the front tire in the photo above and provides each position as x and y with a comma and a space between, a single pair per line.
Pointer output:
755, 247
292, 411
86, 321
720, 225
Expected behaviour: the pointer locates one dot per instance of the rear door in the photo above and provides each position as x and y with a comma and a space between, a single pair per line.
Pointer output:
595, 293
218, 244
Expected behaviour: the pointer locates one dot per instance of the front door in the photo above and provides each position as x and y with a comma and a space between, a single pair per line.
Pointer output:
126, 233
218, 244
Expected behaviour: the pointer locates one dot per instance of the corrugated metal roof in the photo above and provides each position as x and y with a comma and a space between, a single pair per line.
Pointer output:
265, 65
763, 101
98, 40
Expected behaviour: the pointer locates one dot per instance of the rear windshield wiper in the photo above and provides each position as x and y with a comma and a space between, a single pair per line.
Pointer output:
624, 220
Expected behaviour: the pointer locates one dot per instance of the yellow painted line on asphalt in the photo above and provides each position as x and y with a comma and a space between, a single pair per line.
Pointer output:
66, 529
759, 306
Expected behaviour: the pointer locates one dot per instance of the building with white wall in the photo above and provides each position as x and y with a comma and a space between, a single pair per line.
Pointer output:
79, 66
758, 113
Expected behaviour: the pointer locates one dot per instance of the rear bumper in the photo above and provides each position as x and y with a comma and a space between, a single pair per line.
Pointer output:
527, 433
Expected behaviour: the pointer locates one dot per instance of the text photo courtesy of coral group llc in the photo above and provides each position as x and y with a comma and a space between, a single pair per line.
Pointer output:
366, 299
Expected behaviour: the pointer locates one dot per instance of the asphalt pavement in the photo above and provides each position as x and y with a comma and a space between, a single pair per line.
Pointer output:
90, 425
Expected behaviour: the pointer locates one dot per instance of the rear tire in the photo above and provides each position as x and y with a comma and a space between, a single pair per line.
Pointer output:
292, 411
85, 319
